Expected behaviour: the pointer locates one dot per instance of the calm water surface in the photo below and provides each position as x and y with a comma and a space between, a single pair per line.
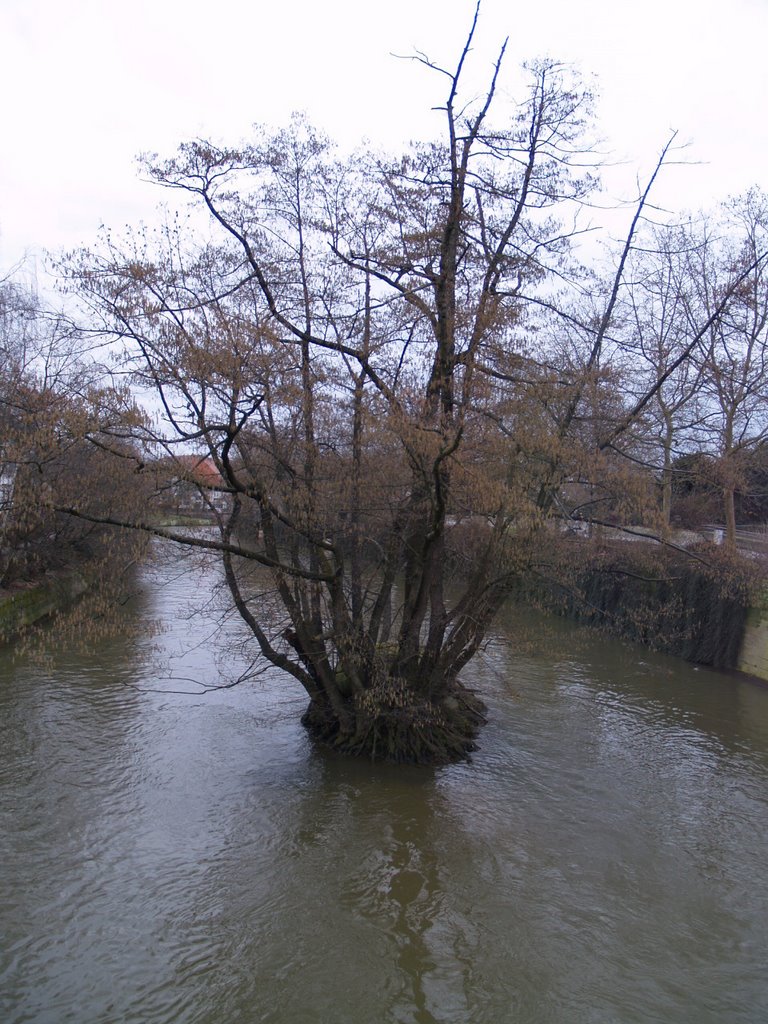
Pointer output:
190, 857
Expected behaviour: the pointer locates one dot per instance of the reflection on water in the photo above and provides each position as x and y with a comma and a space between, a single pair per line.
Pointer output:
190, 857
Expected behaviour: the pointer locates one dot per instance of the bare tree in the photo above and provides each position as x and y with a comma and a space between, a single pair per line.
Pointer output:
732, 356
49, 400
356, 351
659, 324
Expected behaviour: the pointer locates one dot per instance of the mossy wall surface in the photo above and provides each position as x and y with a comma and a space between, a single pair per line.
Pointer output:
753, 656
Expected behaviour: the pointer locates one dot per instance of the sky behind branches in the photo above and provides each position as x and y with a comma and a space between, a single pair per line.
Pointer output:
89, 84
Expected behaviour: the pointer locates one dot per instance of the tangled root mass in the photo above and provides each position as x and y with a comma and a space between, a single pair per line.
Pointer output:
394, 723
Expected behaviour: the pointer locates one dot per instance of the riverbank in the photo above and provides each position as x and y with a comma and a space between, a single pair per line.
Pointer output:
705, 606
25, 606
97, 568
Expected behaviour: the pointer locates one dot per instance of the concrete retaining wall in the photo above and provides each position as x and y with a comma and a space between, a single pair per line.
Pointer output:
753, 657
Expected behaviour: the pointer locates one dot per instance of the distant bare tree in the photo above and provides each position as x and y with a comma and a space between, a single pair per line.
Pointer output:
732, 357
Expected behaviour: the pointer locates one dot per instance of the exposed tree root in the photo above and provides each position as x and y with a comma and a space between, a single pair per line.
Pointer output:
393, 723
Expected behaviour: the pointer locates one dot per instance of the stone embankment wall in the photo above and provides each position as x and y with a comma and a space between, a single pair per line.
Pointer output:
22, 608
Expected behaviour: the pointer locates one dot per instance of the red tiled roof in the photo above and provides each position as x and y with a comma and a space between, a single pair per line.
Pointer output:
199, 469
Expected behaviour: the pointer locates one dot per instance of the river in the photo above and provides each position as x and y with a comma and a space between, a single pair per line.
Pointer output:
172, 855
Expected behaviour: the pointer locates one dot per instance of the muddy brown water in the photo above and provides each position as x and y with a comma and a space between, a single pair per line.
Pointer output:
190, 857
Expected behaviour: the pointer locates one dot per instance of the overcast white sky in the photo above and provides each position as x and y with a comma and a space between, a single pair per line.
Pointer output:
88, 84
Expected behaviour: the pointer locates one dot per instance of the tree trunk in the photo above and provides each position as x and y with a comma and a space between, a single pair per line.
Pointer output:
666, 482
730, 516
